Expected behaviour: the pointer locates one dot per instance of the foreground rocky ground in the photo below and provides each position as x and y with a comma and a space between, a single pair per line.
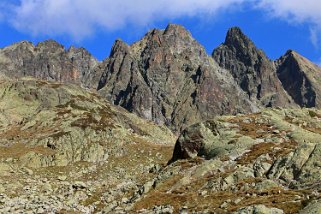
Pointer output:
65, 150
268, 162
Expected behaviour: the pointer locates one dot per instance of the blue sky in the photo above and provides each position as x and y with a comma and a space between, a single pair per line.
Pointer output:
274, 25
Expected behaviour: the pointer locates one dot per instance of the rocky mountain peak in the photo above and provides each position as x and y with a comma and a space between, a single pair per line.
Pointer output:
168, 77
23, 48
236, 38
23, 43
301, 60
289, 52
177, 30
119, 46
300, 78
73, 49
251, 68
294, 55
49, 46
175, 38
244, 47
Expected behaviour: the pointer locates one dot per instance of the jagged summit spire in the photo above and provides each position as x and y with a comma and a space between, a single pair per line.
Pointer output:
235, 36
235, 30
176, 29
290, 52
119, 46
251, 68
50, 43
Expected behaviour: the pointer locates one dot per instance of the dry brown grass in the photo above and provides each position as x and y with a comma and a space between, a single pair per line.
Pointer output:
273, 149
250, 129
307, 126
188, 196
15, 132
161, 196
140, 151
275, 197
19, 149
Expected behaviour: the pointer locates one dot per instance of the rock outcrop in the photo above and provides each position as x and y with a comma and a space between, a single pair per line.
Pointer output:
290, 137
252, 70
168, 77
300, 78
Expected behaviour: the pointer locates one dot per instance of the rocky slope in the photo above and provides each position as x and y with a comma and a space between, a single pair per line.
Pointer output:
168, 77
300, 78
62, 147
252, 70
267, 162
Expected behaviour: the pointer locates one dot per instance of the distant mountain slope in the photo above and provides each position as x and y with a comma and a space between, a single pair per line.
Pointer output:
300, 78
49, 60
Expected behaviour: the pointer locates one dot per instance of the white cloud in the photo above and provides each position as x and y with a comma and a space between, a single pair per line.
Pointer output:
80, 18
297, 12
314, 37
293, 10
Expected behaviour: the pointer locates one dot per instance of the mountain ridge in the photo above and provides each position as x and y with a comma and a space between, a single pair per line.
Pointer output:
167, 76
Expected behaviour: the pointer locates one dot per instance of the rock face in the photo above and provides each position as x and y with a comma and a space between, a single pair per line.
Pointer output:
252, 70
50, 61
167, 77
300, 78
